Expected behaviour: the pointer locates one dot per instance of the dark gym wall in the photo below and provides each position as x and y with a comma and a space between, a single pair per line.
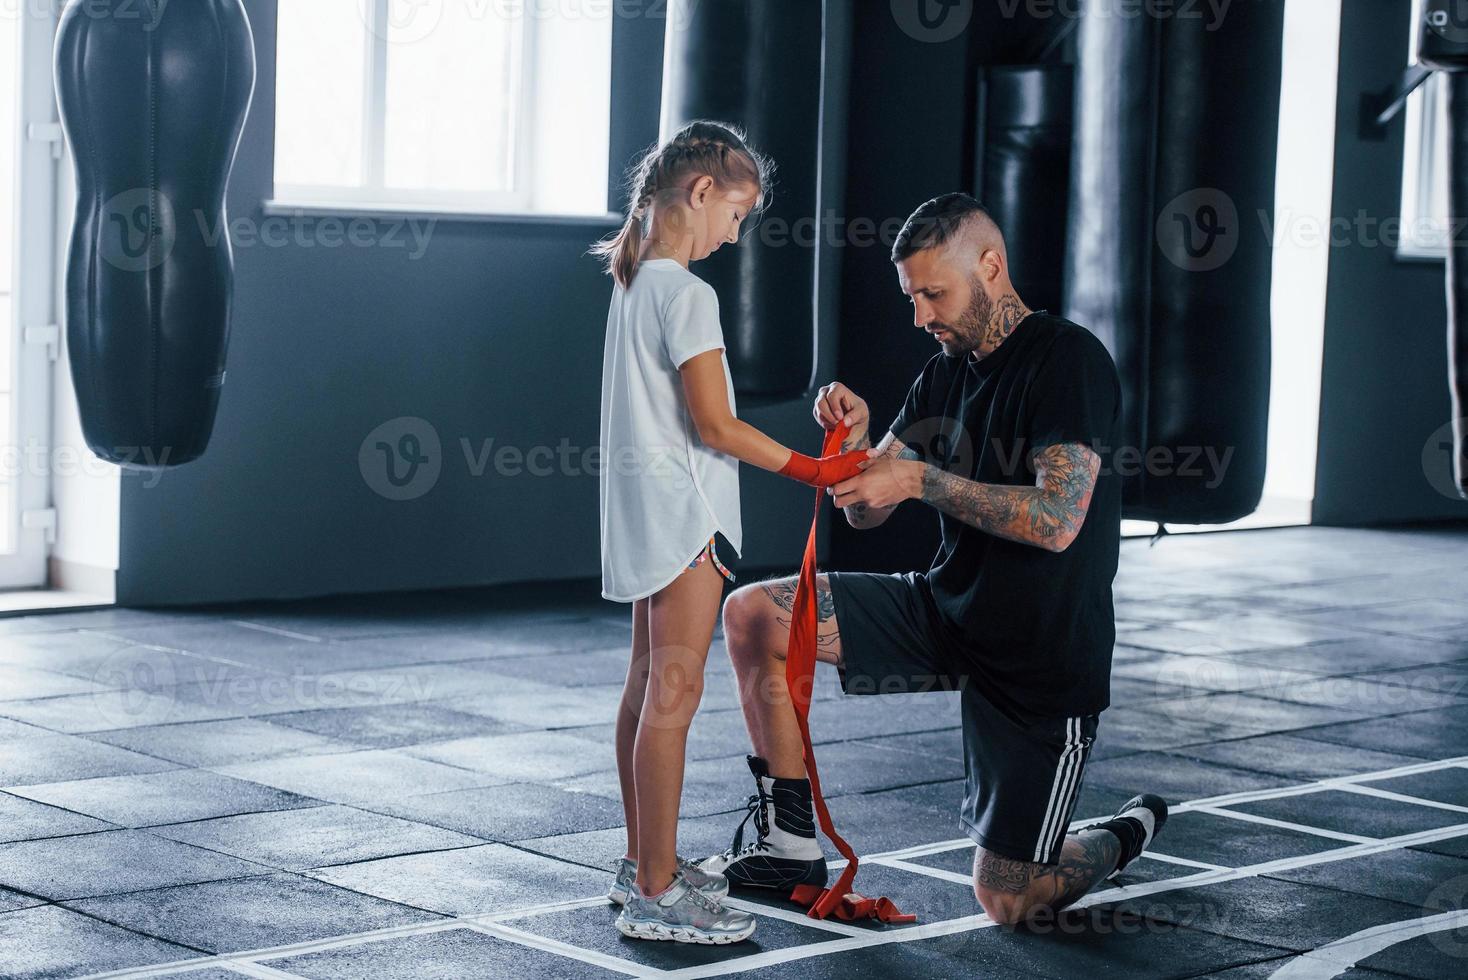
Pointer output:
495, 332
1384, 388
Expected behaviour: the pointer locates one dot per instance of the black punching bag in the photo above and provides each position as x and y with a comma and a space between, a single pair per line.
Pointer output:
153, 96
1458, 273
757, 64
1212, 273
1023, 171
1443, 45
1108, 276
1175, 154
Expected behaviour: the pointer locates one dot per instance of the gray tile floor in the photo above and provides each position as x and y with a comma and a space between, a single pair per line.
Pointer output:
424, 786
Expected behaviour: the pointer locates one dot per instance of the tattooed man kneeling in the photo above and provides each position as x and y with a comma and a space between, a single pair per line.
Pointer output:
1007, 433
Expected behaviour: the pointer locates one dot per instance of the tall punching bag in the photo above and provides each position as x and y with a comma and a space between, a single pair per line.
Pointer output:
1108, 273
1212, 270
770, 86
1458, 272
1443, 46
1023, 170
153, 97
1175, 154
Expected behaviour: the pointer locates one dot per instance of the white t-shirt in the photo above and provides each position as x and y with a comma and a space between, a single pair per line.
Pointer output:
663, 492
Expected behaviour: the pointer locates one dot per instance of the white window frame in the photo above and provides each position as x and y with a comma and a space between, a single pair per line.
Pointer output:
373, 194
36, 334
1424, 233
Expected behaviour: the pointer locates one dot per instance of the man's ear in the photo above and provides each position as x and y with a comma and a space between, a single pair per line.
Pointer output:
991, 264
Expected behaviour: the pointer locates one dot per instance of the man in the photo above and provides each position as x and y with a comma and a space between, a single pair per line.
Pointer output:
1007, 434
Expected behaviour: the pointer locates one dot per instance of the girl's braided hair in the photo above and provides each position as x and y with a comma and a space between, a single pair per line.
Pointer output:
705, 148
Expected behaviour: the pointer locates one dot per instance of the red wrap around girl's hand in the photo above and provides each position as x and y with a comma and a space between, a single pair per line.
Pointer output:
826, 471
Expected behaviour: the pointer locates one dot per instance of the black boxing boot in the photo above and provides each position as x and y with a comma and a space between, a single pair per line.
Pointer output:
786, 852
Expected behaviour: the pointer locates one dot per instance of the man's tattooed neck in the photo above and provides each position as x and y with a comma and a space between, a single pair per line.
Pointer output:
1007, 314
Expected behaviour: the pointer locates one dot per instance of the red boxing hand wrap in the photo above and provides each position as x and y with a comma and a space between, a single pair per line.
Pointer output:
826, 471
800, 665
802, 468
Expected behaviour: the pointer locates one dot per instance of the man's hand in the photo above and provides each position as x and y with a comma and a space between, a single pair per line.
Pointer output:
836, 403
885, 482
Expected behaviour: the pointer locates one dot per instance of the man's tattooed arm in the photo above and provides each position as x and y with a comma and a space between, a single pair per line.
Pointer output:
1048, 515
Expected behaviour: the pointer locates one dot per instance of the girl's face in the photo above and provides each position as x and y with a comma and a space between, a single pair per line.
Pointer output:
715, 215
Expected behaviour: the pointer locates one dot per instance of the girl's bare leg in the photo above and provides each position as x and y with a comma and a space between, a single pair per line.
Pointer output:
627, 715
681, 622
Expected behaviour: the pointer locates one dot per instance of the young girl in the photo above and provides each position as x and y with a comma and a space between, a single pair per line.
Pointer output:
671, 446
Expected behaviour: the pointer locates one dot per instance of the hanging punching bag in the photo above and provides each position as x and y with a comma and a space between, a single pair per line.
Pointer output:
1443, 45
1108, 272
1175, 153
1458, 272
153, 97
1212, 269
771, 88
1023, 171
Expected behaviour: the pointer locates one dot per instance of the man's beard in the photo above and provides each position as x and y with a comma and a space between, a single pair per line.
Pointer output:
972, 327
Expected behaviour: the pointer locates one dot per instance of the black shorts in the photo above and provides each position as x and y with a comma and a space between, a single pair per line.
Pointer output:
1023, 778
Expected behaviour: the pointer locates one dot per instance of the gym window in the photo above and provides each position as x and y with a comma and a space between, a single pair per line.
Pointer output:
477, 106
1425, 166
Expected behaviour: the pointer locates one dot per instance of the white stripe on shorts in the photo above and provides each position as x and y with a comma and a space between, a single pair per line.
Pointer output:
1062, 790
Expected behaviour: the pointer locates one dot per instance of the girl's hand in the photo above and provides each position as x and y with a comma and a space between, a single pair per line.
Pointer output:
836, 403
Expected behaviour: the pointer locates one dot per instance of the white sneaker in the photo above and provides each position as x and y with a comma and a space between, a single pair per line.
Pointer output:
682, 914
715, 886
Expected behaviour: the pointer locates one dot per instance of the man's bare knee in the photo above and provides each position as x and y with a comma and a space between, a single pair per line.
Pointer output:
1004, 887
1005, 908
748, 623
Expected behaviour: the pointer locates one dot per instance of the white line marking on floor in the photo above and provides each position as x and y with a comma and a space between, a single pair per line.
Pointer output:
923, 850
262, 972
1302, 828
1107, 896
1387, 794
1184, 862
1336, 958
1142, 889
548, 945
790, 954
875, 937
797, 918
943, 874
277, 952
277, 631
1332, 782
568, 906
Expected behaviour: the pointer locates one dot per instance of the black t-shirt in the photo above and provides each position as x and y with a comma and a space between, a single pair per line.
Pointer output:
1037, 626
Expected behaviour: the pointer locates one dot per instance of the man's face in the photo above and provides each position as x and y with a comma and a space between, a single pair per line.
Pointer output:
948, 300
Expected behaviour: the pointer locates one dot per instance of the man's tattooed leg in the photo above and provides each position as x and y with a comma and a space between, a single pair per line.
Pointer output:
1012, 891
782, 594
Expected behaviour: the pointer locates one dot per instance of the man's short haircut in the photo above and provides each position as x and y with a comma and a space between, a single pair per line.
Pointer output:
944, 220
